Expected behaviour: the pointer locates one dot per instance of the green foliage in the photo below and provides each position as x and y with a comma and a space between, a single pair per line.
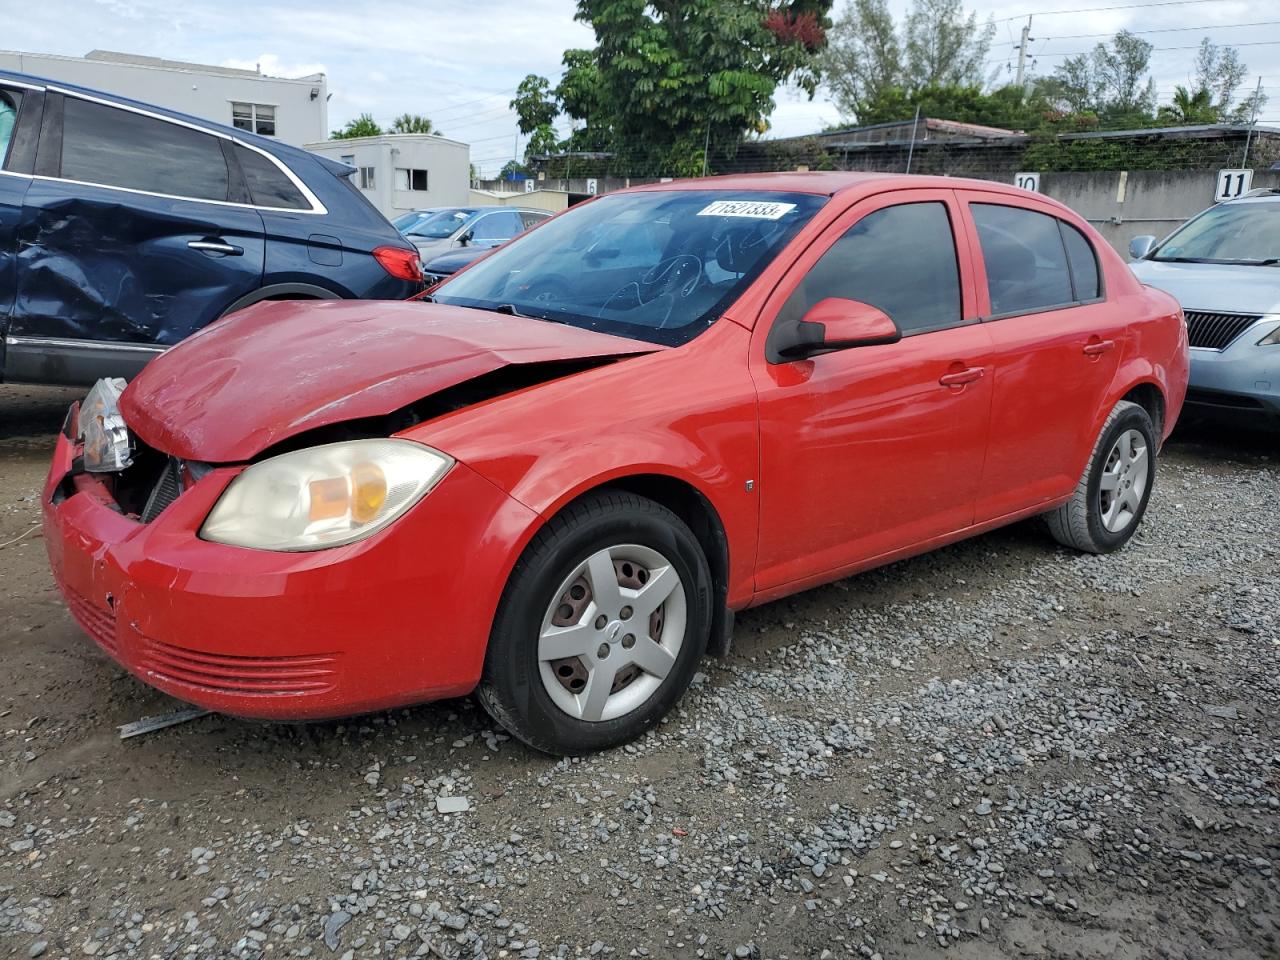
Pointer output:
362, 126
1010, 107
878, 70
412, 123
666, 78
1111, 82
1188, 107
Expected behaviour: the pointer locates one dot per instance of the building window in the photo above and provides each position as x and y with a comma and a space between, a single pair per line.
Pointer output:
349, 159
255, 117
366, 178
407, 179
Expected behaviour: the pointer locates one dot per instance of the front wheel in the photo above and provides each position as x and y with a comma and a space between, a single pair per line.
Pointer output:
1112, 496
600, 628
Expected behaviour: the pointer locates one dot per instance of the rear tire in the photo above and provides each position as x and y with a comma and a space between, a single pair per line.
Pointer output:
600, 628
1111, 498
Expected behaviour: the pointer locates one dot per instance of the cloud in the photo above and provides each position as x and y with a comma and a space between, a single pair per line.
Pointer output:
272, 66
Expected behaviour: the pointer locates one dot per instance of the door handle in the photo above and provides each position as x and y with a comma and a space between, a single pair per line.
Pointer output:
960, 377
216, 246
1096, 348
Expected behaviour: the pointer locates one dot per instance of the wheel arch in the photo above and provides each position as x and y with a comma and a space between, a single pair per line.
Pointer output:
282, 291
1149, 395
692, 505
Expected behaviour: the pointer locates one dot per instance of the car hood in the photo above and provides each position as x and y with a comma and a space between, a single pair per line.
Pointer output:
1213, 287
280, 368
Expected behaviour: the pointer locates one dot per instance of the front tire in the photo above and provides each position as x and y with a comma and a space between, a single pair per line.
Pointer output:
1112, 496
600, 628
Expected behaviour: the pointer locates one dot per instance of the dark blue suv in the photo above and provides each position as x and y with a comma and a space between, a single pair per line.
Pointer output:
125, 228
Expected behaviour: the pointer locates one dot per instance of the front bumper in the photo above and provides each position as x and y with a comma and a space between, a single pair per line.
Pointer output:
1243, 377
402, 617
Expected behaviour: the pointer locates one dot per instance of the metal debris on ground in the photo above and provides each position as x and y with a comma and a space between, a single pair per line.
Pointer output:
160, 721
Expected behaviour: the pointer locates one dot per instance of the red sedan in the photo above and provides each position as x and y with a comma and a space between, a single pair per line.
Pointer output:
554, 483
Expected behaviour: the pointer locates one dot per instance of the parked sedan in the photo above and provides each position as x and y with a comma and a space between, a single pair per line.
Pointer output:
125, 228
1224, 266
556, 481
442, 229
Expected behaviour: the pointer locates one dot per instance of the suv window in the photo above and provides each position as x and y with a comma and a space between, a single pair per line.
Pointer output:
119, 148
1025, 257
268, 185
497, 226
532, 219
9, 101
901, 259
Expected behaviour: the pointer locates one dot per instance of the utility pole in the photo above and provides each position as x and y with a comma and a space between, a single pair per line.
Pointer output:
1022, 52
1253, 122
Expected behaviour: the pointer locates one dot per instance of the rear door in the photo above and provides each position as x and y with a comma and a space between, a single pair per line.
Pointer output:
1057, 346
868, 451
20, 108
495, 229
136, 232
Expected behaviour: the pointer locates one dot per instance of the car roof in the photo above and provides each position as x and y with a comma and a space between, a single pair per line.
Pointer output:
1261, 195
829, 183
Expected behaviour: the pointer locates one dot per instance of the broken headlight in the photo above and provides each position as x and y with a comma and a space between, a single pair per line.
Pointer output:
107, 448
324, 496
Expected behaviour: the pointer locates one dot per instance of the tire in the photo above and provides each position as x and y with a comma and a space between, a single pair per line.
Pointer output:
598, 698
1111, 498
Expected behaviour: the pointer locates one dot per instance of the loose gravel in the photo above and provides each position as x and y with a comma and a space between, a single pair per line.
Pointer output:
1001, 749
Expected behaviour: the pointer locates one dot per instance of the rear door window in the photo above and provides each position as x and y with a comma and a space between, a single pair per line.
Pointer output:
1083, 262
119, 148
901, 259
268, 184
497, 226
1025, 257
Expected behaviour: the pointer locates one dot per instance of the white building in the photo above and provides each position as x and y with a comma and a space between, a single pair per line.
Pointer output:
294, 111
399, 172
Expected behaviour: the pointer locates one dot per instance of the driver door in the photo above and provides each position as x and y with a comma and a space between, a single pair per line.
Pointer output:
868, 451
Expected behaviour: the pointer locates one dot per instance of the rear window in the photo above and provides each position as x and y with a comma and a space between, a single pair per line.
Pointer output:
120, 148
268, 185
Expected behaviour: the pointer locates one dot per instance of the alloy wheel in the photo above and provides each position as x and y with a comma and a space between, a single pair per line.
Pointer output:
1125, 476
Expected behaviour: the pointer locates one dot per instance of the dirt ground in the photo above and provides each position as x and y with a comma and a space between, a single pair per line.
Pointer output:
999, 750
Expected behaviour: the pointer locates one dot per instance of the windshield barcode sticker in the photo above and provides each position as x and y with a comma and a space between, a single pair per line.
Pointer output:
753, 209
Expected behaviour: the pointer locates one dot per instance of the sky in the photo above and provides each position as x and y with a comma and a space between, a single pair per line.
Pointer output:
459, 62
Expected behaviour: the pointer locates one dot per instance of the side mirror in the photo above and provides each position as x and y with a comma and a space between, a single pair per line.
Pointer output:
1139, 247
466, 238
839, 324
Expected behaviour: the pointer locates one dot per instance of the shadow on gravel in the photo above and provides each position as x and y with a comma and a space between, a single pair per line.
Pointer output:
27, 411
1225, 438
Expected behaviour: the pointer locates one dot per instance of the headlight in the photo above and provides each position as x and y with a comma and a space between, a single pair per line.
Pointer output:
102, 429
324, 496
1271, 339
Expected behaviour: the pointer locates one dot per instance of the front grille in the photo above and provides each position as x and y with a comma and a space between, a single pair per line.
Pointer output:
1216, 331
225, 673
98, 622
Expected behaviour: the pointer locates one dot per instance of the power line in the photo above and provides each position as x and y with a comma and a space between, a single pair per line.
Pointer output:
1122, 6
1211, 26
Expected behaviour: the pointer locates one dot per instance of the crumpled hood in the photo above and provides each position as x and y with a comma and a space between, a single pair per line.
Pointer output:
279, 368
1214, 287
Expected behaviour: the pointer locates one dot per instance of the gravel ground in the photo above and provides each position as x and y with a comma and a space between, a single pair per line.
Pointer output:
1001, 749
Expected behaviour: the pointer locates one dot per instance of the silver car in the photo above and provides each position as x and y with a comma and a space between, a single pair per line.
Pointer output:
1223, 266
438, 230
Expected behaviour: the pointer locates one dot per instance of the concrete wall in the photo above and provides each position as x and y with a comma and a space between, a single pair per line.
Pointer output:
551, 200
1129, 204
202, 91
447, 162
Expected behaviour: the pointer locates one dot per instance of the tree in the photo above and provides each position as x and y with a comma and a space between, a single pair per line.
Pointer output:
879, 70
362, 126
412, 123
863, 58
1220, 71
668, 77
1189, 107
1110, 83
944, 47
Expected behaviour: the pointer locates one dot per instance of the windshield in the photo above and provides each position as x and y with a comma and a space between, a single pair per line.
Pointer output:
433, 224
1232, 233
653, 266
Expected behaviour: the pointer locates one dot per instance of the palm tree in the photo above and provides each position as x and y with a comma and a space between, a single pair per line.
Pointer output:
412, 123
1188, 107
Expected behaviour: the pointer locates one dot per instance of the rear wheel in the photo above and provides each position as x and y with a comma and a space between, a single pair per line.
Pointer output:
1112, 496
600, 628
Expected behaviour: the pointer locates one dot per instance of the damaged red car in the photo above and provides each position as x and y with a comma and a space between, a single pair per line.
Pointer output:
555, 482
